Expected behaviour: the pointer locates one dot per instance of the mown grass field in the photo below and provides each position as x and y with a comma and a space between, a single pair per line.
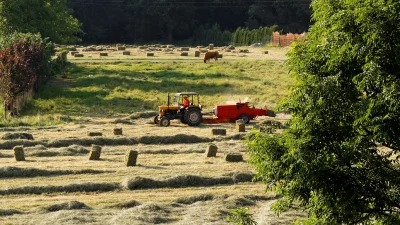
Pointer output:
173, 182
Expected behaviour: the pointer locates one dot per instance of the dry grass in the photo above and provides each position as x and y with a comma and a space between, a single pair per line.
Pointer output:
13, 172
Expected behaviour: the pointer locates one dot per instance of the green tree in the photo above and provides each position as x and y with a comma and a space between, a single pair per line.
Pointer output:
340, 157
50, 18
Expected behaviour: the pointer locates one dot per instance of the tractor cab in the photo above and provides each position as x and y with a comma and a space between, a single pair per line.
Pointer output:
188, 114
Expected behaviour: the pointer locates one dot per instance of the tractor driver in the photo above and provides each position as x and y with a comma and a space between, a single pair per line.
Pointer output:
186, 102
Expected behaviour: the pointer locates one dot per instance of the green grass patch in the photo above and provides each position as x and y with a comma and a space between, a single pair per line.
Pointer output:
110, 89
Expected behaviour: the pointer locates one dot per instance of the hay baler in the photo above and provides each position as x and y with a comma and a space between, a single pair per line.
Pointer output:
232, 112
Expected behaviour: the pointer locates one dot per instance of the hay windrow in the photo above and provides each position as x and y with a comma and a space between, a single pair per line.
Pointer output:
72, 150
112, 141
125, 205
182, 181
192, 199
176, 139
84, 187
12, 172
146, 114
9, 212
72, 205
15, 136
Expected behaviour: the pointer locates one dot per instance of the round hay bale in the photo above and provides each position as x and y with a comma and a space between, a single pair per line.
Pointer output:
240, 126
19, 153
103, 54
93, 134
233, 157
218, 131
265, 52
126, 53
117, 131
184, 54
78, 55
210, 46
95, 152
211, 150
185, 49
220, 56
150, 54
197, 54
131, 157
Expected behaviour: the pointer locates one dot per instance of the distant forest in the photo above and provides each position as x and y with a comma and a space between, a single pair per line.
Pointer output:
174, 21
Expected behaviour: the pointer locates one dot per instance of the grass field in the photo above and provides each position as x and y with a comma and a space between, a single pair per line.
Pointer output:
173, 182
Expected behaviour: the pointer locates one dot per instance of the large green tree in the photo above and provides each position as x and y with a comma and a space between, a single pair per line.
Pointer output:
50, 18
340, 157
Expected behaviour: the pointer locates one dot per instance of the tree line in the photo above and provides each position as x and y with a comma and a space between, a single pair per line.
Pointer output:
139, 21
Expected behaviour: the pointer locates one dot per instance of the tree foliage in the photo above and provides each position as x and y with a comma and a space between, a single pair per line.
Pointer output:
23, 60
50, 18
340, 157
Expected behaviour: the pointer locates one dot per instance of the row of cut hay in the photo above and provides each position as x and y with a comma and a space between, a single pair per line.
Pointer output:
9, 212
181, 181
84, 187
171, 151
146, 114
112, 141
12, 172
42, 151
14, 136
71, 205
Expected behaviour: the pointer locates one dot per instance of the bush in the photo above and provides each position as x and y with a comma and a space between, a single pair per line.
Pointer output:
241, 216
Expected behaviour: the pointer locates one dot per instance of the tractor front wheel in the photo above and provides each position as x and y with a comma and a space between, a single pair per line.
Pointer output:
245, 118
193, 117
164, 121
156, 121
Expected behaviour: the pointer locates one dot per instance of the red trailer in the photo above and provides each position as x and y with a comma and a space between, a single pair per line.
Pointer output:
232, 112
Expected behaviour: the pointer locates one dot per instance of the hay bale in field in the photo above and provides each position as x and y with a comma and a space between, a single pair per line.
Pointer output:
126, 53
93, 133
184, 54
150, 54
243, 51
74, 53
103, 54
231, 47
78, 55
211, 150
210, 46
185, 49
240, 126
14, 136
117, 131
142, 47
19, 153
220, 56
95, 152
218, 131
131, 157
264, 52
233, 157
121, 48
197, 54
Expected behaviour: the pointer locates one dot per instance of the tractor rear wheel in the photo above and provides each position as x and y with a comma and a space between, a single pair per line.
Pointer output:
193, 117
245, 118
164, 121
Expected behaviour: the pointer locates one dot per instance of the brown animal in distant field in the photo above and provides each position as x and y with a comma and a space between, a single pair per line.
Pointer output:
210, 55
